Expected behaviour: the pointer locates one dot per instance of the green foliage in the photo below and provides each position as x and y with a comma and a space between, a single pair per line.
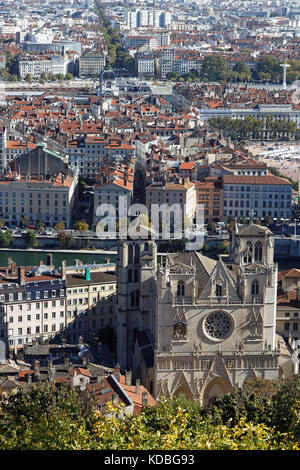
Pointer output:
44, 419
255, 129
286, 407
117, 55
6, 239
49, 418
70, 241
214, 68
241, 403
31, 239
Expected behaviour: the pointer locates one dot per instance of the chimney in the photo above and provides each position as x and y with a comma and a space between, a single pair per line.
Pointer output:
128, 376
144, 398
36, 371
102, 381
21, 276
63, 269
51, 373
117, 373
49, 259
67, 362
28, 378
137, 386
13, 267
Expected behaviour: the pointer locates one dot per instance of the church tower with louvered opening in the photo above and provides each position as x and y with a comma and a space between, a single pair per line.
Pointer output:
136, 293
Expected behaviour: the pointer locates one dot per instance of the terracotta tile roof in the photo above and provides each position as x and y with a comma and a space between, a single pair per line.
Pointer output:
287, 300
292, 273
265, 180
136, 398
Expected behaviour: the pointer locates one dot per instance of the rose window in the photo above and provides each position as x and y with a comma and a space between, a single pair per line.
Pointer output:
218, 325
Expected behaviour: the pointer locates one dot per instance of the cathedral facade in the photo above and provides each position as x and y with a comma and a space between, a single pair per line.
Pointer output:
201, 325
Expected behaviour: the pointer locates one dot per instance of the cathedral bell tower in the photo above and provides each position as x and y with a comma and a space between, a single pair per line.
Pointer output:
136, 289
257, 274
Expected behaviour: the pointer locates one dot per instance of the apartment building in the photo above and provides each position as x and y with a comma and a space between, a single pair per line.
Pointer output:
91, 296
50, 200
117, 185
181, 194
90, 65
137, 18
40, 303
31, 307
210, 195
86, 154
145, 64
257, 196
167, 60
36, 65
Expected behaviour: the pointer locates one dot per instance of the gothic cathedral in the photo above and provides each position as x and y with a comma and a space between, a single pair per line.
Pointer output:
196, 325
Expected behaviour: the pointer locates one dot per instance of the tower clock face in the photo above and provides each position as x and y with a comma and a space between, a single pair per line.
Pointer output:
218, 325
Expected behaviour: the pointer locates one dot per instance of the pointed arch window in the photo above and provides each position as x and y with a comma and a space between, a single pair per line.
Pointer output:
180, 289
248, 253
258, 251
130, 254
219, 288
136, 275
136, 254
129, 275
255, 287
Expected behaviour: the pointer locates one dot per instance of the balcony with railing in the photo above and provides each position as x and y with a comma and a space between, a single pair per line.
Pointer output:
216, 301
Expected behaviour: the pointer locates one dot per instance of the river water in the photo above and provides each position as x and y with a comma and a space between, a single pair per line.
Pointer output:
33, 258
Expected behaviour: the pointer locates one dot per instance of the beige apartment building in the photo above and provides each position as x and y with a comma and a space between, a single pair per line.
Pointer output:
182, 194
90, 306
50, 200
91, 65
39, 304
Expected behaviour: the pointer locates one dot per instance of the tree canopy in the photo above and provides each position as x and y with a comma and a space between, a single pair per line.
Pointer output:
262, 415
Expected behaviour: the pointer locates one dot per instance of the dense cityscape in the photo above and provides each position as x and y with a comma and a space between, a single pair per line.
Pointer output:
149, 226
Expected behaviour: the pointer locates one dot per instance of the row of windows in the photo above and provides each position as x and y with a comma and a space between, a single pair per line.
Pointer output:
263, 204
257, 188
257, 196
29, 330
241, 212
287, 326
20, 296
37, 317
39, 195
94, 289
